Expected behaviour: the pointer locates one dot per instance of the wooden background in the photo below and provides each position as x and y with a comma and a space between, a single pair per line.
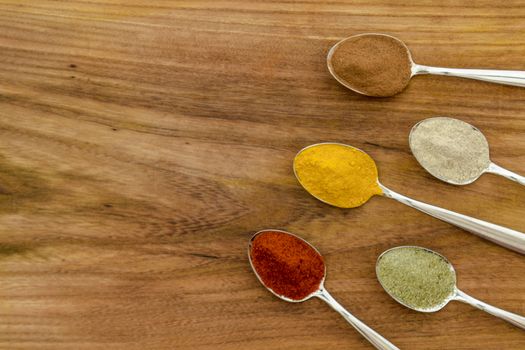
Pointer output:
143, 142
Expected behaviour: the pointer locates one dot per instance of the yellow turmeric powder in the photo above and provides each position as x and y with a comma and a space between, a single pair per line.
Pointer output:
340, 175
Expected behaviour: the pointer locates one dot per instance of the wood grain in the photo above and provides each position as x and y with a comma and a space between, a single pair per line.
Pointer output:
143, 142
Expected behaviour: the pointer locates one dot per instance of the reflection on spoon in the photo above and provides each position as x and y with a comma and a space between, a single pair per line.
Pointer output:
346, 177
381, 65
294, 271
425, 281
454, 151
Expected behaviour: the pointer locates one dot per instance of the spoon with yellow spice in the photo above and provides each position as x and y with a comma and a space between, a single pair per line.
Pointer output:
346, 177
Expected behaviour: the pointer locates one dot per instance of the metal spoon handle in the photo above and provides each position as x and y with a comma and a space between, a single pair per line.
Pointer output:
496, 169
498, 234
372, 336
506, 77
510, 317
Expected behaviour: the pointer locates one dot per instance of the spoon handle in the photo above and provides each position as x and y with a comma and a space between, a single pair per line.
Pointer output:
506, 77
496, 169
372, 336
510, 317
498, 234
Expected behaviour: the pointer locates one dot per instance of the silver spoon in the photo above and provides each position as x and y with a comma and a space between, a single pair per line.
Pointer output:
372, 336
503, 236
455, 293
506, 77
430, 141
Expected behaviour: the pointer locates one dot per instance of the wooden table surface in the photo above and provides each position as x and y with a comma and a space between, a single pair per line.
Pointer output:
142, 143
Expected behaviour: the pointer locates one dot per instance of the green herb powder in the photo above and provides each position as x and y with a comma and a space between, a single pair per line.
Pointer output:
416, 277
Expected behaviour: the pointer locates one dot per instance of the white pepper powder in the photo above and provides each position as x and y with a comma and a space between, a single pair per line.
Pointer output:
450, 149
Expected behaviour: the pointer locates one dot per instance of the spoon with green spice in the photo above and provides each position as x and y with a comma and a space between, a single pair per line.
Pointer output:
454, 151
425, 281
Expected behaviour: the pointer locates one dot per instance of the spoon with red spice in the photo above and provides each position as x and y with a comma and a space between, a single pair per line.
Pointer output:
381, 65
294, 271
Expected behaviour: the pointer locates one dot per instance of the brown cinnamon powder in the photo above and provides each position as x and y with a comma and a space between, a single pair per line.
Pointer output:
372, 64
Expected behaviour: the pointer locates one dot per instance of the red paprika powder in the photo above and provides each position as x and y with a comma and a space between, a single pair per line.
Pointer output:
286, 264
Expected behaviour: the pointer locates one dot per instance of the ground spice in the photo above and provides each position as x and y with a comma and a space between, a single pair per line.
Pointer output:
337, 174
286, 264
372, 64
450, 149
416, 277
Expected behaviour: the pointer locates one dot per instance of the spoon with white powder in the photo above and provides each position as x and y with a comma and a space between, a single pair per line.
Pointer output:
454, 151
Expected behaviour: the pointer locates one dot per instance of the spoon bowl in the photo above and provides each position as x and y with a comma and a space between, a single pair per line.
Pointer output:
278, 295
453, 294
342, 194
373, 83
438, 305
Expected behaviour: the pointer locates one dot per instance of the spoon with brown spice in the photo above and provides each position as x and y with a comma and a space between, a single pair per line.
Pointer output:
381, 65
425, 281
294, 271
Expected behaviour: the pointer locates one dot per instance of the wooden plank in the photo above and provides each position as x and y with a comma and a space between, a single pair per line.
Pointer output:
143, 142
